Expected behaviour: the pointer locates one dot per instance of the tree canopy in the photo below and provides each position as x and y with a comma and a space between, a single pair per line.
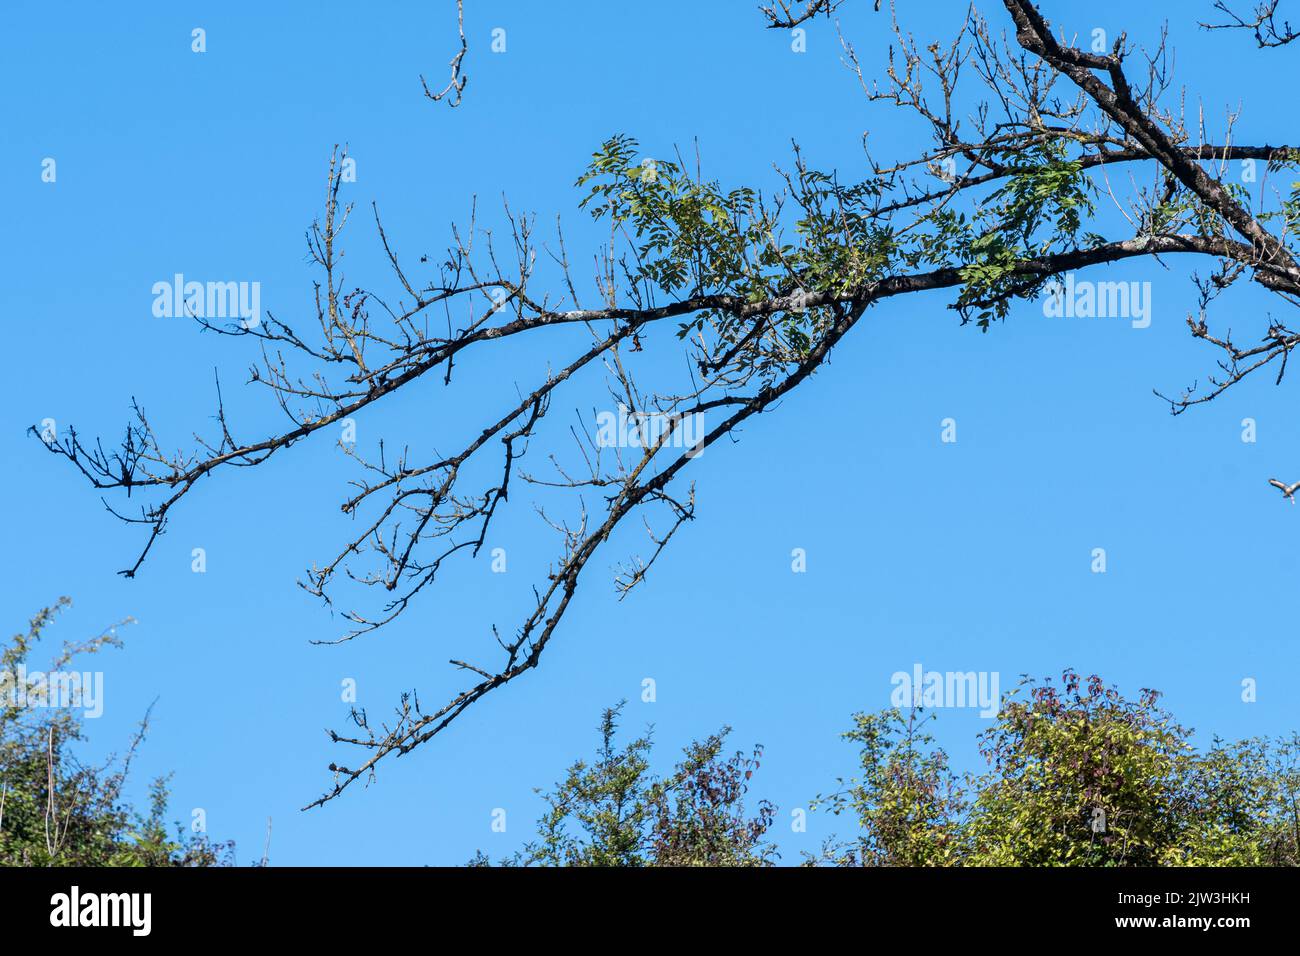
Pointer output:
1076, 774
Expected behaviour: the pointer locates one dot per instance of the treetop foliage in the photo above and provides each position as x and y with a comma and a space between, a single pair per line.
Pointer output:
55, 809
1075, 774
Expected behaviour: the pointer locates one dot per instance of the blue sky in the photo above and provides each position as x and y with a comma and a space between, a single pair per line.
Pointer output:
967, 556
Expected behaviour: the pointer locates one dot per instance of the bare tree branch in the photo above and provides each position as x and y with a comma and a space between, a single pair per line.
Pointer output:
456, 84
1261, 22
784, 15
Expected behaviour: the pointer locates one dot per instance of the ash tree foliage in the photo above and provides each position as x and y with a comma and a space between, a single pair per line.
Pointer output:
1033, 156
55, 809
1076, 775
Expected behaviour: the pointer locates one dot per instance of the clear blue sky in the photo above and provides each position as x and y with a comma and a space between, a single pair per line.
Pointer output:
970, 556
